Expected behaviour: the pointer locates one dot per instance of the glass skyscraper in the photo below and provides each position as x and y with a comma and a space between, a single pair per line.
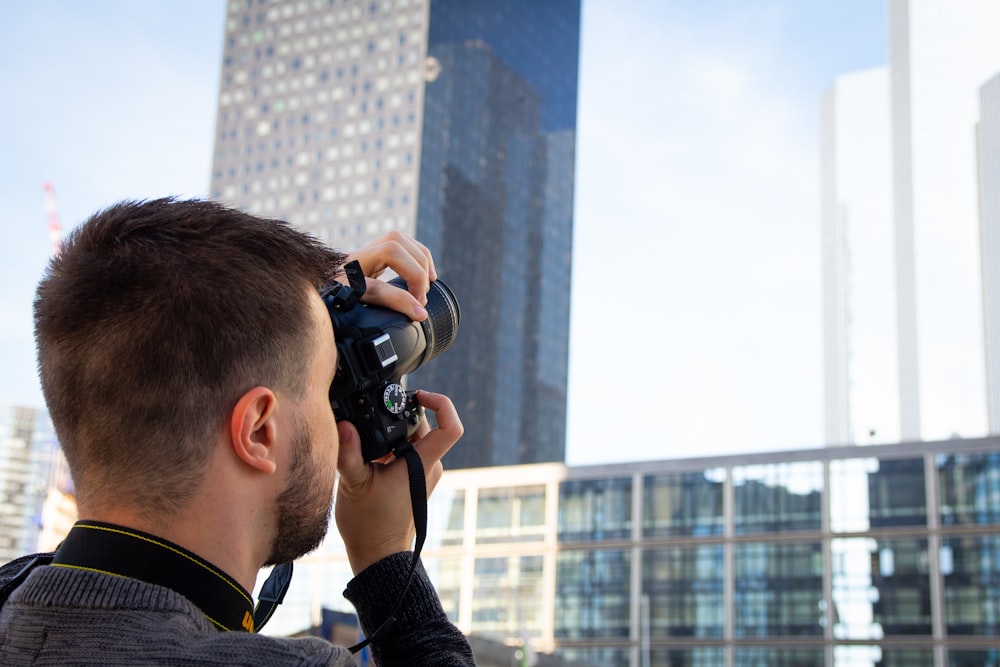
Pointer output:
454, 121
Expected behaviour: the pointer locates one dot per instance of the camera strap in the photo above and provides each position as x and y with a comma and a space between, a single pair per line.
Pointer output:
123, 552
418, 503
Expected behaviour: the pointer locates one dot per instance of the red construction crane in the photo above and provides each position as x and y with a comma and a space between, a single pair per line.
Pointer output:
55, 229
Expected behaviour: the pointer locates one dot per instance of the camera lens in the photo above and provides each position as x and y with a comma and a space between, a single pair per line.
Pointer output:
443, 317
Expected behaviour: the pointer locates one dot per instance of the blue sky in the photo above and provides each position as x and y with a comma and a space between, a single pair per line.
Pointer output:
696, 315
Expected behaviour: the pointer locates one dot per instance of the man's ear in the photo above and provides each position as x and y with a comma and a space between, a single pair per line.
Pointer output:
252, 429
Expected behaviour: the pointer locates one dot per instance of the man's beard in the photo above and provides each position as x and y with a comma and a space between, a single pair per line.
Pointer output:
303, 507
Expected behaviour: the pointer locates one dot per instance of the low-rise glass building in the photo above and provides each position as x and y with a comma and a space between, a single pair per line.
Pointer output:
881, 555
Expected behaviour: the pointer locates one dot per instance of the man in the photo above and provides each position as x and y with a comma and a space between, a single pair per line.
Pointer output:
186, 357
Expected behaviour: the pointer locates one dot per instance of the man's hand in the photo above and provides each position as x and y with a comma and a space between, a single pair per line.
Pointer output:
411, 260
373, 509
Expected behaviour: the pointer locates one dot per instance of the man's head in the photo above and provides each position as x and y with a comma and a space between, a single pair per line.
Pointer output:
151, 324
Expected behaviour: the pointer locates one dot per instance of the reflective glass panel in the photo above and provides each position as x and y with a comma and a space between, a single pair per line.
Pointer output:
970, 489
446, 575
594, 655
512, 514
598, 509
970, 567
684, 585
684, 503
777, 497
592, 593
982, 658
882, 587
760, 656
868, 493
508, 596
877, 656
778, 589
708, 656
445, 518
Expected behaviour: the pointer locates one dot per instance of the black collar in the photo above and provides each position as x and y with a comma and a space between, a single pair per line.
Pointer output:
123, 552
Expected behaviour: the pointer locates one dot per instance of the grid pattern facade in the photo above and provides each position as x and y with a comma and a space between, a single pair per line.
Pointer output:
837, 557
452, 120
319, 110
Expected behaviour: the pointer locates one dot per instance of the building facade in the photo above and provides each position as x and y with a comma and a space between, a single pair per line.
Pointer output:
886, 555
452, 120
28, 451
988, 142
861, 389
941, 53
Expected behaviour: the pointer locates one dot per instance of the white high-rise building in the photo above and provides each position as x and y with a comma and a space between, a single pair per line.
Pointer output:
941, 53
989, 216
861, 383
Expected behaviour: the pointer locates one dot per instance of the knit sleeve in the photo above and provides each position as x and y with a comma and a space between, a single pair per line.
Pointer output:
422, 633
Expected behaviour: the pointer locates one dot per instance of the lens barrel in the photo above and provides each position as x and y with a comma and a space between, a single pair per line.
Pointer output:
443, 317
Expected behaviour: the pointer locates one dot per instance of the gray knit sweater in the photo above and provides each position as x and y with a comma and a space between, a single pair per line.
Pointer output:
61, 616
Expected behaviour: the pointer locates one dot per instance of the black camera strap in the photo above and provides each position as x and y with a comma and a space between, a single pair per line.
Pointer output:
418, 502
124, 552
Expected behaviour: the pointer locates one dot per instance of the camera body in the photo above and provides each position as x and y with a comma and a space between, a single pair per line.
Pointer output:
376, 347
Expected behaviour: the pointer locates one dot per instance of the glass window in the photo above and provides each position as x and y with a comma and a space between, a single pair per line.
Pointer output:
777, 497
708, 656
901, 583
760, 656
975, 658
445, 517
868, 493
595, 655
599, 509
880, 587
508, 596
511, 514
877, 656
849, 507
970, 567
686, 503
778, 589
446, 575
592, 593
685, 590
970, 489
854, 592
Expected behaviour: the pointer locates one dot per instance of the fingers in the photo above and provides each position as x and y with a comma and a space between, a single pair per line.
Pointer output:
383, 294
350, 462
435, 444
403, 254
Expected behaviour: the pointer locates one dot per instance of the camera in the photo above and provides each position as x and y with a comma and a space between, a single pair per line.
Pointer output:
376, 347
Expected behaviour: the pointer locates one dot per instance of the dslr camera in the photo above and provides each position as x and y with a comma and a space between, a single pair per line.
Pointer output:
376, 347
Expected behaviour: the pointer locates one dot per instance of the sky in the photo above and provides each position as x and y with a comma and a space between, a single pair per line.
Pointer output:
696, 314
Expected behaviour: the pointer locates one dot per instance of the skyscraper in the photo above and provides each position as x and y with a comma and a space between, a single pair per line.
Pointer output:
452, 120
859, 328
941, 52
28, 450
988, 140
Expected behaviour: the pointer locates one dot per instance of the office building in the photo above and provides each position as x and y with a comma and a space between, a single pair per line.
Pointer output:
28, 450
861, 388
988, 141
941, 53
452, 120
887, 555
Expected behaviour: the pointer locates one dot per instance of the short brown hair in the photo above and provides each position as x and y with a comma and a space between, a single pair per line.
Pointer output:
152, 322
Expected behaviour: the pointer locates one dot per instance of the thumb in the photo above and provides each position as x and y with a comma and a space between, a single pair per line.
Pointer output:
350, 462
